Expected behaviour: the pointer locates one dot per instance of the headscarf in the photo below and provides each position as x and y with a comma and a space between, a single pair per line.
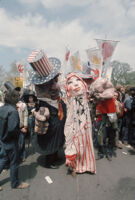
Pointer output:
69, 76
78, 116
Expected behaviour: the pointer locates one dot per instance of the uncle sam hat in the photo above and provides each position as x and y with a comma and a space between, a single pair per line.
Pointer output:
44, 68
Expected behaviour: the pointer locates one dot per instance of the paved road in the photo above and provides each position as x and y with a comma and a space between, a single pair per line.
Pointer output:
114, 180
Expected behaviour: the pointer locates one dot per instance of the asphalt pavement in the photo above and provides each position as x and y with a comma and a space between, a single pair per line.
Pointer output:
115, 180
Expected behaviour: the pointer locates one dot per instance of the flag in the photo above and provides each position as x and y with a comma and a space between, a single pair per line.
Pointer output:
75, 61
18, 81
20, 66
67, 55
107, 48
109, 73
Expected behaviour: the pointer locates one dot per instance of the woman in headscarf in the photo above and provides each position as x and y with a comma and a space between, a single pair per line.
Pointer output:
79, 150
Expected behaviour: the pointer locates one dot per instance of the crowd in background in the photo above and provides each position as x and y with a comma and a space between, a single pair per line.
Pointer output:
107, 135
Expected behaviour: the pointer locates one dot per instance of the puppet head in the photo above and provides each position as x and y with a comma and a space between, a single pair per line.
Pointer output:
49, 89
11, 95
75, 86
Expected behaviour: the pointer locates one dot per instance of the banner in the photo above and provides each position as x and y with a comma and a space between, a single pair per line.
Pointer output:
106, 48
95, 58
109, 73
67, 54
19, 81
75, 61
20, 66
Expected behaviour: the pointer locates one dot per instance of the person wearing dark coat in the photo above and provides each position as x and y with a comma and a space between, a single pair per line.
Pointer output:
129, 130
51, 111
9, 134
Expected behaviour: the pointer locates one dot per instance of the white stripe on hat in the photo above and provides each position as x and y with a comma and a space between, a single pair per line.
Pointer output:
36, 68
31, 56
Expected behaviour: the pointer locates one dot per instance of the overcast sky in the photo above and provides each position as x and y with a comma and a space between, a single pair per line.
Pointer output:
26, 25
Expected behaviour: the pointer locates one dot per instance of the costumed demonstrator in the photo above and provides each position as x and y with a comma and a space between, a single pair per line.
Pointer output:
103, 92
89, 75
79, 150
51, 111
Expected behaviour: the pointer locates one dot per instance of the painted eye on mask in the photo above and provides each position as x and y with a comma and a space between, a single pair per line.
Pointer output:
70, 82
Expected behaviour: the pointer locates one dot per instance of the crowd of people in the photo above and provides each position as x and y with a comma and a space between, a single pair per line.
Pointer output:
91, 114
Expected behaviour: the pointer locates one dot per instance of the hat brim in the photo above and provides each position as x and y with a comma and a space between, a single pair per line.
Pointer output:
36, 80
84, 76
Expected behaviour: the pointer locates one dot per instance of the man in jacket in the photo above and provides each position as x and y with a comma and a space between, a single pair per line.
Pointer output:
9, 133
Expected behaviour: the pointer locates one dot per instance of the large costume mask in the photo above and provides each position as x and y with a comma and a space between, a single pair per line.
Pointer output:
49, 90
75, 86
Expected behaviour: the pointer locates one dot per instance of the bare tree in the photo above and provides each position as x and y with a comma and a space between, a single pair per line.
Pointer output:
12, 73
120, 73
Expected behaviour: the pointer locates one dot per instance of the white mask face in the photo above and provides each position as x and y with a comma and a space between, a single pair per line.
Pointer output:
75, 86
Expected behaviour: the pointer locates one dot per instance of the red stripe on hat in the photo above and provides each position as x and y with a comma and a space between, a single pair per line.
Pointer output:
47, 65
50, 65
38, 70
34, 67
43, 65
31, 56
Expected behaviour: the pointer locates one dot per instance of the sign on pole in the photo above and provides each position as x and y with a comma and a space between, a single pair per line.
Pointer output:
107, 48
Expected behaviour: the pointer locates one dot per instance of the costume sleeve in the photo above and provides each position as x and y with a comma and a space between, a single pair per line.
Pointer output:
70, 151
13, 123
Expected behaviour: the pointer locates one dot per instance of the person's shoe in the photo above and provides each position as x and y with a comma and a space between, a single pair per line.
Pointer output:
99, 156
24, 159
114, 154
23, 185
109, 157
1, 188
129, 146
119, 146
52, 166
125, 143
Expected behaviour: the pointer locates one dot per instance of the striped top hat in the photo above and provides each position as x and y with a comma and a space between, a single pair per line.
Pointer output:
44, 68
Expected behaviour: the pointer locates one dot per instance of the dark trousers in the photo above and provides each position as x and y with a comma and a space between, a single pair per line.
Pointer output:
127, 130
107, 135
31, 125
10, 154
21, 145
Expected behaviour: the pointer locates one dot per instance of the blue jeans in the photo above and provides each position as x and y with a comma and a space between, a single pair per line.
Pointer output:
31, 125
127, 135
10, 154
21, 145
